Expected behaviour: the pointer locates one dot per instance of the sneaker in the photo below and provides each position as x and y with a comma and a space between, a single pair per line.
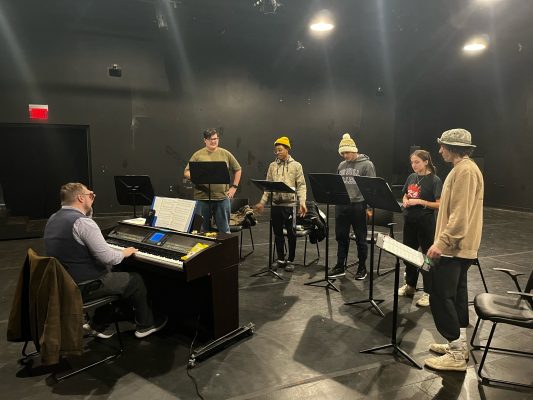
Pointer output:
157, 326
279, 264
360, 274
451, 361
337, 271
407, 291
289, 266
423, 301
443, 348
102, 333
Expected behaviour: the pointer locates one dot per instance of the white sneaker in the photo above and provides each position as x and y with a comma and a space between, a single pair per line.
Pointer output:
443, 348
105, 333
407, 291
157, 326
423, 301
451, 361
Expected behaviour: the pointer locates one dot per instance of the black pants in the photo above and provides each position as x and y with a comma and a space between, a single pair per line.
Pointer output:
446, 283
129, 286
282, 217
417, 233
353, 215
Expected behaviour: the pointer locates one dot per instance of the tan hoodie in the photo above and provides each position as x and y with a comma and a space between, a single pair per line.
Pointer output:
291, 173
460, 217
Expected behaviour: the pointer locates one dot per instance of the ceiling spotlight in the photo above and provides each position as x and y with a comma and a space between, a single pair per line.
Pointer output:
321, 26
473, 47
476, 44
322, 22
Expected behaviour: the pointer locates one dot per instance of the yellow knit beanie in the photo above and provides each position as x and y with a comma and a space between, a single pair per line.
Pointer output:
347, 144
284, 140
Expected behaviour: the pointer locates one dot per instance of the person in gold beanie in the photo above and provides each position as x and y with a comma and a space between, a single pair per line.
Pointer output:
285, 205
353, 215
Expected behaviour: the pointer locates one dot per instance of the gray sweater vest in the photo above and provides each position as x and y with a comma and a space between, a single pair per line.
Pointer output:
60, 243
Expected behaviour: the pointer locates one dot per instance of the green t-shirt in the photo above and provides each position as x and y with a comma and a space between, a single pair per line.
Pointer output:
218, 191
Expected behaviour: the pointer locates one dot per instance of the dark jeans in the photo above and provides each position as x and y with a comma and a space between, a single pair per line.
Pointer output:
129, 286
446, 282
220, 209
282, 217
354, 216
417, 233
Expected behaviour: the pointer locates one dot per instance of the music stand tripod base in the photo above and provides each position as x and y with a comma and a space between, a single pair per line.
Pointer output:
398, 349
267, 271
328, 283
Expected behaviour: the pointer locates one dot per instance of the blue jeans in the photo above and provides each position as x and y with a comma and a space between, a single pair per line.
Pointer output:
220, 208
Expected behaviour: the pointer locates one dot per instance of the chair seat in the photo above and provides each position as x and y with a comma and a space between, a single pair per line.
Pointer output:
299, 232
303, 233
235, 228
369, 235
507, 309
87, 305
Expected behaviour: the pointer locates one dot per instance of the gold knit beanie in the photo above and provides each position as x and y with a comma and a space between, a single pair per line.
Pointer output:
284, 140
347, 144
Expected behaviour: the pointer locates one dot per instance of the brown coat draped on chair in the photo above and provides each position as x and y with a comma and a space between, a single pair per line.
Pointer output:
47, 309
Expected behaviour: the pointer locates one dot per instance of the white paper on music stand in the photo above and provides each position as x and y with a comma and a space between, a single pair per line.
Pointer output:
400, 250
176, 214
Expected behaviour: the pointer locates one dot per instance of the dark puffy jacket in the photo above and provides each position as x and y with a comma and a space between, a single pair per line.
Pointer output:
314, 222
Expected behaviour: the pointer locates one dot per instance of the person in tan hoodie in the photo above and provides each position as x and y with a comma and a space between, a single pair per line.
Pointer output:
457, 239
285, 169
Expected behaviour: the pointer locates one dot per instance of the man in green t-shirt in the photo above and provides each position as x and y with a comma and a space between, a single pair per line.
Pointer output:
220, 193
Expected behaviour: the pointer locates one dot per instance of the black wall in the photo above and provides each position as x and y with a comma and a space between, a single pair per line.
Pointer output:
227, 65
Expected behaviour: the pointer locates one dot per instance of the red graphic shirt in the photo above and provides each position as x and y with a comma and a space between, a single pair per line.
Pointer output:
413, 191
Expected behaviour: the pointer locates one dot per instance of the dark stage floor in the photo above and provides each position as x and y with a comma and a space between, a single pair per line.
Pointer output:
307, 342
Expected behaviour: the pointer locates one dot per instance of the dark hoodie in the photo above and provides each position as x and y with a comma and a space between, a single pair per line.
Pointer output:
361, 166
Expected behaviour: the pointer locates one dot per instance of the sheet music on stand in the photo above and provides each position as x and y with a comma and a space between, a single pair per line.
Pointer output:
172, 213
402, 251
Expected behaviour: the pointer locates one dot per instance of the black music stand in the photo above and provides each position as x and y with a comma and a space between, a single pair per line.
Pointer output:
328, 189
377, 194
134, 190
271, 187
393, 342
208, 173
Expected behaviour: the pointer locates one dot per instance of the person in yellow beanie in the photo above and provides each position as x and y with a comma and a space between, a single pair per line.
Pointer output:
285, 205
353, 215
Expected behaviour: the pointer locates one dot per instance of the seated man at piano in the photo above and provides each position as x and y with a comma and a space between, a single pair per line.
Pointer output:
72, 236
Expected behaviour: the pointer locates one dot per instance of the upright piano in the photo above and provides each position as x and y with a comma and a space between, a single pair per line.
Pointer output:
199, 293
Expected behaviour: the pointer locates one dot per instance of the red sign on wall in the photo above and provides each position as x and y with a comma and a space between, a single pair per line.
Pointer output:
38, 111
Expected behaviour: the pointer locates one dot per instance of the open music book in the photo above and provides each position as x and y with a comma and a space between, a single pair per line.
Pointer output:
176, 214
402, 251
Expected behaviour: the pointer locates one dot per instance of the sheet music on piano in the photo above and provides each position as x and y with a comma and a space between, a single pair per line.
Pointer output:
172, 213
402, 251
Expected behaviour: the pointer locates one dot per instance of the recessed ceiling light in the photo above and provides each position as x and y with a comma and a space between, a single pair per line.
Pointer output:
322, 22
475, 46
322, 26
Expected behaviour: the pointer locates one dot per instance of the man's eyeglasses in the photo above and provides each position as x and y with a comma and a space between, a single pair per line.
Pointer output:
213, 139
91, 195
